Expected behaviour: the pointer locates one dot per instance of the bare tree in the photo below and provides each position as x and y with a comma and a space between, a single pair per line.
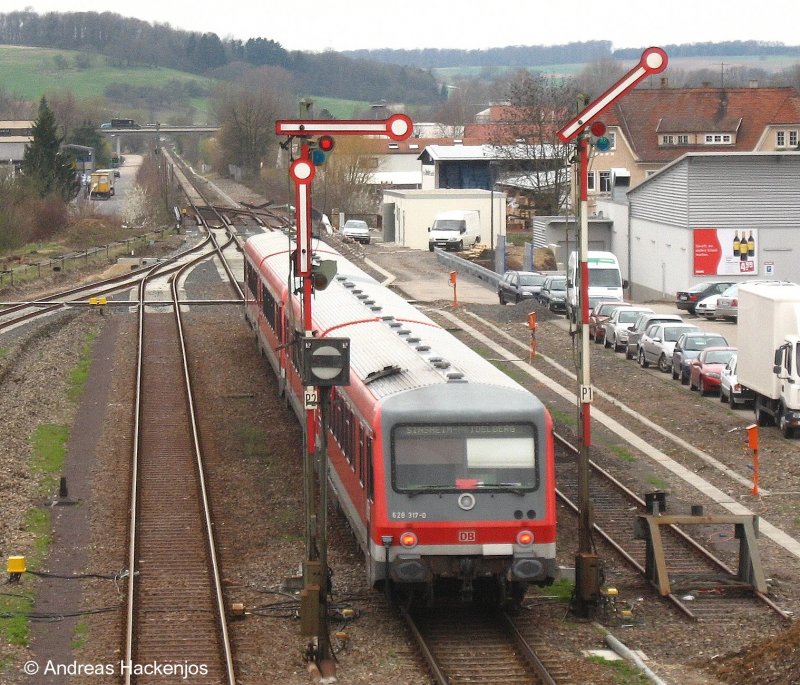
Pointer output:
598, 76
247, 110
343, 182
534, 159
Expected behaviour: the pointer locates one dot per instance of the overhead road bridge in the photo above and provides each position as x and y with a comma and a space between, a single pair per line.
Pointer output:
161, 129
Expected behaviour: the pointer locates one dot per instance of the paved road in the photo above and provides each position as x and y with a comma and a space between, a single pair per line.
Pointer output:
422, 277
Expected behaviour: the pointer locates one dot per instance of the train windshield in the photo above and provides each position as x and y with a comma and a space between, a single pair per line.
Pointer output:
428, 457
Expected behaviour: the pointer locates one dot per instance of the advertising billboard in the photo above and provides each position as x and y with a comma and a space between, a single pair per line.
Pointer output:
725, 251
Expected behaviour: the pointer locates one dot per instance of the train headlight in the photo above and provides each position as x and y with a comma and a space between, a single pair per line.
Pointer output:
525, 537
408, 539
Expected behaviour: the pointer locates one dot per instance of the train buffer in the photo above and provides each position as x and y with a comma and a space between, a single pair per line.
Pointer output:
750, 572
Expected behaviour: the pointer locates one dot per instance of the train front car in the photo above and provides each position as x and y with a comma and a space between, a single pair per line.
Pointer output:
468, 499
442, 464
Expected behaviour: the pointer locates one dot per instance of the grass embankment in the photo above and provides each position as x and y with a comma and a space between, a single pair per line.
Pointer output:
48, 452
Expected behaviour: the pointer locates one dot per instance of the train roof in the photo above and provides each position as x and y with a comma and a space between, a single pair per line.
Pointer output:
393, 345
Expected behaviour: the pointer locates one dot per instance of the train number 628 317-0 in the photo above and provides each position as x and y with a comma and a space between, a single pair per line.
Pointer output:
428, 440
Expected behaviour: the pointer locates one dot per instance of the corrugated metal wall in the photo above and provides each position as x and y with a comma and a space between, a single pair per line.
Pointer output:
664, 199
733, 191
759, 191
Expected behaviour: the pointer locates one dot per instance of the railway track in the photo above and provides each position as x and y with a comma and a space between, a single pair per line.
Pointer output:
175, 606
704, 587
468, 644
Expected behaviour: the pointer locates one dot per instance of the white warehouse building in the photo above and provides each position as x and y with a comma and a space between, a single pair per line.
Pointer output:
679, 226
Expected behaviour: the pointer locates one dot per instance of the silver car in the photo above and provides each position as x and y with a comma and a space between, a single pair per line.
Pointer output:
617, 327
356, 230
728, 301
658, 342
641, 325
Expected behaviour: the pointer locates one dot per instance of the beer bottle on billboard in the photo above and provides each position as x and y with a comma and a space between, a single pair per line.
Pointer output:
751, 245
736, 243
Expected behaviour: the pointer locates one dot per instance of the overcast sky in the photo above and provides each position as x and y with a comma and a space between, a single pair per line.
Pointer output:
316, 25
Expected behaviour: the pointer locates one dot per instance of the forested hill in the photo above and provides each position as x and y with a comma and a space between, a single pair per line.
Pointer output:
133, 42
513, 56
570, 53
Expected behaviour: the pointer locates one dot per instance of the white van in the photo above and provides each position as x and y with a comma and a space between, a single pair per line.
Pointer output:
605, 281
455, 230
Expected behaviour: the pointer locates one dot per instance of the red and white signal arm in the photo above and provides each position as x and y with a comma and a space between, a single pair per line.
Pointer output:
397, 127
652, 61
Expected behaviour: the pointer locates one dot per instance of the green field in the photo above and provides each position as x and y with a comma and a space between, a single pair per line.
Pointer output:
341, 109
30, 72
770, 64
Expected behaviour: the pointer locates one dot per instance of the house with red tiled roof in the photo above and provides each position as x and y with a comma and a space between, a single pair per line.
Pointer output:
651, 127
505, 124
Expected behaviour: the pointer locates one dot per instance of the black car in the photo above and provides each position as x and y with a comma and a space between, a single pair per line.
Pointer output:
554, 294
689, 347
516, 286
688, 299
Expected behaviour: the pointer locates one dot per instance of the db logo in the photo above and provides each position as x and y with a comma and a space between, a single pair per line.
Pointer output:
467, 536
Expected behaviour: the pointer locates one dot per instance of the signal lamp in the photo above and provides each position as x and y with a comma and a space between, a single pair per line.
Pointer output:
319, 149
598, 139
408, 539
598, 128
524, 537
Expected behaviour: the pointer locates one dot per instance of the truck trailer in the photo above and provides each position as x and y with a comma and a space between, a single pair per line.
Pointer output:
768, 331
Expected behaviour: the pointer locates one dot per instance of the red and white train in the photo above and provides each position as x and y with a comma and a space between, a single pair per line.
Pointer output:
442, 464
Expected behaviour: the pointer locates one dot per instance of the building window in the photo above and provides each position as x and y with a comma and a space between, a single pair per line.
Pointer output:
612, 139
683, 140
605, 181
667, 140
590, 180
792, 138
780, 139
718, 139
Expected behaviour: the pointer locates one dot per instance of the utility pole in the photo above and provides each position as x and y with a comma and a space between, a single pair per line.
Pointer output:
587, 562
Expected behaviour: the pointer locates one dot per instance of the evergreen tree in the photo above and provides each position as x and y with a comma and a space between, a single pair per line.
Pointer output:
44, 167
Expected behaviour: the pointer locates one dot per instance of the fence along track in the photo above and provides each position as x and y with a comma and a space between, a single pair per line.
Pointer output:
176, 615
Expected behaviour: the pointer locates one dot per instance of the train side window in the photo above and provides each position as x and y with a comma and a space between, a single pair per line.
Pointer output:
335, 413
368, 475
348, 435
268, 306
362, 444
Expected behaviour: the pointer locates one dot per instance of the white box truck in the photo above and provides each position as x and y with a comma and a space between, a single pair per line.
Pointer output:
605, 281
768, 332
455, 230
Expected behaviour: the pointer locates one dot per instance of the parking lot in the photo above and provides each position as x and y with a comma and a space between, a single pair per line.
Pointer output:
725, 328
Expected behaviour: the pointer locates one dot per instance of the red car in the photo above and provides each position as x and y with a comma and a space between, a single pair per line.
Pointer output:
705, 370
599, 315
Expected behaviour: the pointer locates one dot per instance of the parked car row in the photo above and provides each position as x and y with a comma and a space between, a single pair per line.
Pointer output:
716, 300
702, 360
547, 288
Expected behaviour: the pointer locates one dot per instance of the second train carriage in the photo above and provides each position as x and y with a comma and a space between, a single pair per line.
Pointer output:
442, 464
